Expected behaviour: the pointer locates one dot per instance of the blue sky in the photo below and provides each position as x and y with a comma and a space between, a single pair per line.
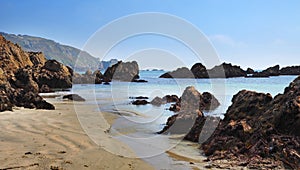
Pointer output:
252, 33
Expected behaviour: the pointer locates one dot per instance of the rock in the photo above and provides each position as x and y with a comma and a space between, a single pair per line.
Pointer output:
189, 120
139, 97
293, 70
139, 81
247, 104
18, 77
74, 97
30, 100
37, 58
88, 77
199, 71
250, 71
157, 101
24, 79
54, 75
45, 89
260, 129
171, 98
271, 71
140, 102
179, 73
226, 70
210, 101
123, 71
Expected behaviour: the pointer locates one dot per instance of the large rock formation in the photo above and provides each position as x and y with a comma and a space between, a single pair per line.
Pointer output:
292, 70
271, 71
226, 70
88, 77
260, 131
199, 71
123, 71
190, 119
54, 75
22, 74
179, 73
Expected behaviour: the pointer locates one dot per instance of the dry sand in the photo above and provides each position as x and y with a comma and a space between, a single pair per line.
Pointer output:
54, 139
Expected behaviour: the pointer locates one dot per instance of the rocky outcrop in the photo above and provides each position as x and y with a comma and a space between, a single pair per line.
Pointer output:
190, 119
199, 71
271, 71
206, 101
179, 73
292, 70
250, 71
18, 83
226, 70
88, 78
140, 102
157, 101
123, 71
260, 131
54, 75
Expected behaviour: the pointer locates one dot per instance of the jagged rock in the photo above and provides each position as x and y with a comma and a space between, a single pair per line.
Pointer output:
24, 79
199, 71
259, 128
157, 101
179, 73
250, 71
245, 104
292, 70
45, 89
123, 71
88, 77
226, 70
18, 83
171, 98
210, 101
37, 58
140, 102
54, 75
74, 97
271, 71
190, 119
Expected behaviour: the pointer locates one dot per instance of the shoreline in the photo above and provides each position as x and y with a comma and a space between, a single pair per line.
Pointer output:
54, 139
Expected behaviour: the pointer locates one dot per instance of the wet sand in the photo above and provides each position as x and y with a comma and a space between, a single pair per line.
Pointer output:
54, 139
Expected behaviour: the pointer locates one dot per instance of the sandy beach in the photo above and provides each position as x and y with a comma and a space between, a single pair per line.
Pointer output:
54, 139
